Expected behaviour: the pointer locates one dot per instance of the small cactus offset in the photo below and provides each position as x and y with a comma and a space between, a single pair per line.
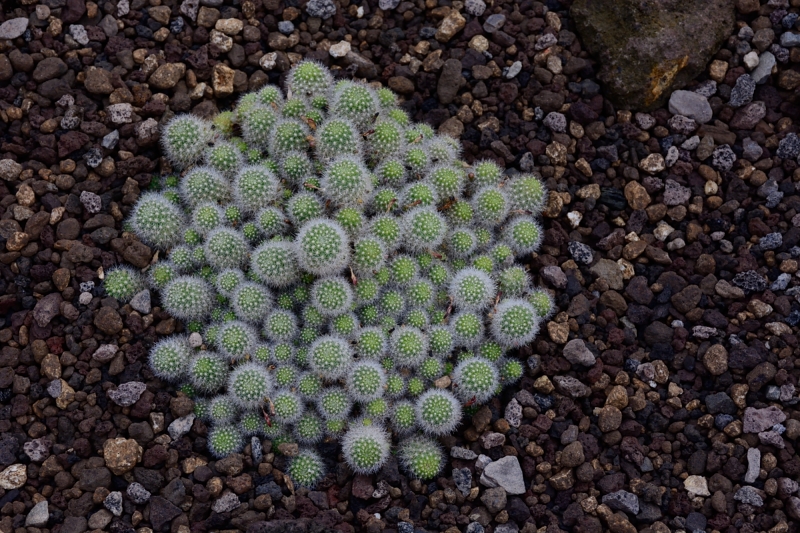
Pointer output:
342, 265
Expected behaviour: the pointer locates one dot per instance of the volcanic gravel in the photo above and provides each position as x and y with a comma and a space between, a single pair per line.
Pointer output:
663, 395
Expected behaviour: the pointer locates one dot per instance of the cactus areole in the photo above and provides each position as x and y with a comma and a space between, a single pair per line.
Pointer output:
351, 278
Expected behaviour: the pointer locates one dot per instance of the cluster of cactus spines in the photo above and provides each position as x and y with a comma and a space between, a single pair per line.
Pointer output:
339, 262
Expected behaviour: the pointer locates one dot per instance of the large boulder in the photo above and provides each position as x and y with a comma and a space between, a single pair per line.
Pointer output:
648, 48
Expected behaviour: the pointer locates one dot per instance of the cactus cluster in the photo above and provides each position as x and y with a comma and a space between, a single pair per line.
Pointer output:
350, 276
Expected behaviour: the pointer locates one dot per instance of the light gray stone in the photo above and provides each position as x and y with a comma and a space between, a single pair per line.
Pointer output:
227, 503
753, 465
13, 28
690, 104
38, 515
180, 426
576, 352
506, 473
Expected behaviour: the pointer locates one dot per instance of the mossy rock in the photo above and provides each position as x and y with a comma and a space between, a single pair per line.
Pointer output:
649, 48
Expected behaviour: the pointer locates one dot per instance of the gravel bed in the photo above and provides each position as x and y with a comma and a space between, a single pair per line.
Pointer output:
662, 396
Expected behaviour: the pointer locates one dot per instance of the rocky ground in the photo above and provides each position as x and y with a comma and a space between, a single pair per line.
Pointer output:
662, 396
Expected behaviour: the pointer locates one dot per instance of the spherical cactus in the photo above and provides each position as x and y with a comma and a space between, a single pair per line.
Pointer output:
355, 102
331, 296
351, 219
249, 384
322, 247
369, 254
222, 409
395, 385
408, 346
462, 242
346, 181
160, 274
309, 385
366, 381
391, 172
271, 221
430, 368
468, 329
280, 325
204, 184
254, 188
486, 173
475, 379
207, 372
309, 78
251, 423
523, 234
296, 167
424, 228
184, 139
515, 322
527, 193
447, 180
251, 301
420, 293
226, 248
257, 126
421, 457
224, 441
334, 403
157, 220
206, 217
387, 229
288, 135
330, 357
472, 289
491, 206
309, 429
513, 281
438, 412
440, 340
287, 406
404, 417
236, 339
188, 298
336, 137
303, 207
227, 281
122, 283
224, 157
269, 95
169, 358
366, 448
275, 263
307, 468
542, 302
510, 370
345, 325
386, 139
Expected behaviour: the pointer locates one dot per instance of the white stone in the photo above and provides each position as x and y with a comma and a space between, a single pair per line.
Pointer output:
340, 49
697, 485
13, 477
268, 61
751, 60
78, 33
120, 113
663, 231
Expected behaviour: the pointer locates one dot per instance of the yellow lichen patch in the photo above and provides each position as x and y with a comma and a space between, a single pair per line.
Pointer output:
662, 75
